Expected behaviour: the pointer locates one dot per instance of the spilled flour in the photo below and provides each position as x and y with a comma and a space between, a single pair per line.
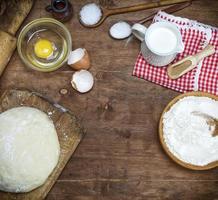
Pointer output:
188, 136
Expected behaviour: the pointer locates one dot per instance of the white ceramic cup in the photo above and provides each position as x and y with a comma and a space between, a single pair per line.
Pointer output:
170, 46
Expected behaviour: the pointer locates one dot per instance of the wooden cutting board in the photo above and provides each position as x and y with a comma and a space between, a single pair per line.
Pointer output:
69, 134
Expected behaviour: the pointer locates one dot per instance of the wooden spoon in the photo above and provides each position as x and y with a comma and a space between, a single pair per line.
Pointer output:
212, 122
185, 65
168, 10
106, 12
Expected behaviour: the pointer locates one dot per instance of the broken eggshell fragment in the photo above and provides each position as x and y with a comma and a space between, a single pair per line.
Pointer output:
79, 59
82, 81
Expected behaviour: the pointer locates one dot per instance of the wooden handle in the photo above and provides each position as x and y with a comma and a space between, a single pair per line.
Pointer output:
207, 51
139, 7
14, 14
7, 47
168, 10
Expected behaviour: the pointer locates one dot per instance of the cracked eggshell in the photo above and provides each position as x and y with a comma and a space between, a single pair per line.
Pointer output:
79, 59
82, 81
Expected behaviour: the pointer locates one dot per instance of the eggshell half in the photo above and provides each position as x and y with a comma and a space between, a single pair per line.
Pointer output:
79, 59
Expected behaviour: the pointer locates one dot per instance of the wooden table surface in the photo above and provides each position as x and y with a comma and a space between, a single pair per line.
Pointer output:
120, 156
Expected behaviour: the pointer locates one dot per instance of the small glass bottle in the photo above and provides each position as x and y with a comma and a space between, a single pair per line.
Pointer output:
61, 10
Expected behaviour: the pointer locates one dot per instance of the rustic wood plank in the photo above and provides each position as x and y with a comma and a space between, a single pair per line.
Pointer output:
116, 189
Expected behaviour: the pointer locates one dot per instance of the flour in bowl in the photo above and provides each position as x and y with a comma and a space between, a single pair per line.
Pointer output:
188, 136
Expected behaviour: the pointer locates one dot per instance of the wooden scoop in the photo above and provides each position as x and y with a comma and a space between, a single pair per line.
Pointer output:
185, 65
106, 12
212, 122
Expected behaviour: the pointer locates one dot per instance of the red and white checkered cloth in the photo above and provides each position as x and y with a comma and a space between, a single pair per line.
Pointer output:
195, 36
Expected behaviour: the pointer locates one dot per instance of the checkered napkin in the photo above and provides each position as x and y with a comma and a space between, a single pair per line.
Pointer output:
196, 36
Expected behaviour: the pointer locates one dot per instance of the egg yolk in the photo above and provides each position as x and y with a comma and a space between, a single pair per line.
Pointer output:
43, 48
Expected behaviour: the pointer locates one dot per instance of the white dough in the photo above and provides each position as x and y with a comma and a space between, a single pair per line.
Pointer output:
29, 149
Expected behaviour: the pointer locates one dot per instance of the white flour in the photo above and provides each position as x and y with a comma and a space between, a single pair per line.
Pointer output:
187, 135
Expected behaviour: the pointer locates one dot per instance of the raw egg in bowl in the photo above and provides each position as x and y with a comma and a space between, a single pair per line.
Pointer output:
44, 44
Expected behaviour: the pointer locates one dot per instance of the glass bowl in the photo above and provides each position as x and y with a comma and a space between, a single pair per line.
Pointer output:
49, 29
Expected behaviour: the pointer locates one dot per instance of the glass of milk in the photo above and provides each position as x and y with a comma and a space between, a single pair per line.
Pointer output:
160, 42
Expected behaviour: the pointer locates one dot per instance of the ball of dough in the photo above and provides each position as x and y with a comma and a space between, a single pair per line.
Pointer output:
29, 149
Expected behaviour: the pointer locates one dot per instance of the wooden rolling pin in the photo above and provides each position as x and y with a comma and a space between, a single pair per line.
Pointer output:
12, 14
7, 47
185, 65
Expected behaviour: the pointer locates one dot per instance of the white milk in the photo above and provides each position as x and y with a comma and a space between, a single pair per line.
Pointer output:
162, 40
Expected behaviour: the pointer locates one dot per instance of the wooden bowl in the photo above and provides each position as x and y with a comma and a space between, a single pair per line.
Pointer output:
162, 141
